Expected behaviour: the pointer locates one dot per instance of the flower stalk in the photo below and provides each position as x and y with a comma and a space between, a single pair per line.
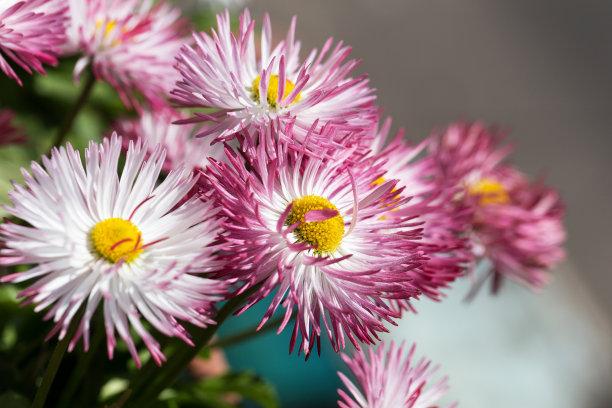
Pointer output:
135, 396
86, 89
54, 363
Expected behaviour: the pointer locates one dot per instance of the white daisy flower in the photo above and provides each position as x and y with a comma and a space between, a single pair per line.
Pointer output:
98, 236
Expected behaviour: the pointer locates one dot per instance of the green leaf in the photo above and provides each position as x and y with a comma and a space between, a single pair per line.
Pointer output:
60, 86
225, 391
11, 399
12, 158
204, 353
113, 387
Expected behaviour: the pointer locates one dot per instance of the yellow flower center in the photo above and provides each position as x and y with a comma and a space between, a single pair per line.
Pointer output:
116, 239
378, 182
273, 90
108, 27
489, 192
325, 236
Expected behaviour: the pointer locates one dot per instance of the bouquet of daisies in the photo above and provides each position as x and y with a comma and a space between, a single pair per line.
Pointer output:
191, 173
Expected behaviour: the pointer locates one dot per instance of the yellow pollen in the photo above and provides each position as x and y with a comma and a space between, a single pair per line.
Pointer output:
378, 182
109, 27
490, 192
273, 90
325, 236
116, 239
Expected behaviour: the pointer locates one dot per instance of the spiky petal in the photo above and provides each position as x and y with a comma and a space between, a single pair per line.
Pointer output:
95, 238
31, 34
131, 44
158, 127
390, 377
338, 287
246, 87
444, 222
9, 134
517, 225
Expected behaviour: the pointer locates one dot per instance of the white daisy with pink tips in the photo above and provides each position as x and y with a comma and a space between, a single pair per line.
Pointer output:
32, 33
244, 86
391, 377
131, 44
158, 127
313, 231
120, 242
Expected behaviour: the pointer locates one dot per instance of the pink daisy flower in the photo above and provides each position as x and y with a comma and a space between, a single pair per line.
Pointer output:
8, 133
131, 44
31, 34
390, 378
157, 127
247, 87
311, 230
444, 224
517, 225
96, 238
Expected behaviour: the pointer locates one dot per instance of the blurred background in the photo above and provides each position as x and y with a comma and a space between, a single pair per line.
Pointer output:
543, 71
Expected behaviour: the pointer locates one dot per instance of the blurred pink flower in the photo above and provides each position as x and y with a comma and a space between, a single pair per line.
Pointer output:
157, 127
390, 378
312, 231
517, 225
31, 34
247, 87
444, 223
8, 133
131, 44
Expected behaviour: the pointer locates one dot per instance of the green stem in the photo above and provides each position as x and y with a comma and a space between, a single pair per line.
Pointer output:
79, 371
247, 334
64, 129
167, 375
53, 366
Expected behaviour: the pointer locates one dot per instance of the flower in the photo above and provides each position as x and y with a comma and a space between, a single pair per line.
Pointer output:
390, 378
310, 230
31, 34
8, 133
95, 237
444, 223
517, 225
223, 72
157, 127
131, 44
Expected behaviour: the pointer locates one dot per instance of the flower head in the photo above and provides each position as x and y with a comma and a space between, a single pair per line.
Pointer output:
95, 237
246, 87
390, 378
157, 127
31, 34
430, 203
311, 230
516, 225
8, 133
131, 44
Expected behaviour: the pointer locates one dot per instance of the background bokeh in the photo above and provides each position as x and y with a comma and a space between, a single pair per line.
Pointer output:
542, 70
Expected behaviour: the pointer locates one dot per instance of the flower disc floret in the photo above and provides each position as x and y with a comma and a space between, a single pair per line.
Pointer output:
116, 239
273, 90
325, 235
489, 191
